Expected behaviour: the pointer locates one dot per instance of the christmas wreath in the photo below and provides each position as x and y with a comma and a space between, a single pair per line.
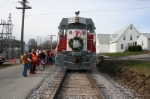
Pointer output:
70, 42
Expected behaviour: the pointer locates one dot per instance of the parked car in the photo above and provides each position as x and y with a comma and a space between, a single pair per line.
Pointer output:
2, 59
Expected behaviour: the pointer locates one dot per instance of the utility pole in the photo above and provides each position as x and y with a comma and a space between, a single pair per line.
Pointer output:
38, 39
51, 37
23, 3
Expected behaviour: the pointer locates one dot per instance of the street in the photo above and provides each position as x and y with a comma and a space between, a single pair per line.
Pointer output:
14, 86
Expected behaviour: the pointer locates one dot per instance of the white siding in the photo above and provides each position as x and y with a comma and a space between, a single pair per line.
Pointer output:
112, 48
145, 42
115, 45
129, 32
149, 44
97, 48
104, 48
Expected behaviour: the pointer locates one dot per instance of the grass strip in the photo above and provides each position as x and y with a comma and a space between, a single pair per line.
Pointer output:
121, 54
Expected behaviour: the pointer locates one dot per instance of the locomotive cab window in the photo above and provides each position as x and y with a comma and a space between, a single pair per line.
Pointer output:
63, 30
76, 26
89, 28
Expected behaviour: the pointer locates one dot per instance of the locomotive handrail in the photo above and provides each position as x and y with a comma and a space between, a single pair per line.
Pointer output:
82, 38
82, 62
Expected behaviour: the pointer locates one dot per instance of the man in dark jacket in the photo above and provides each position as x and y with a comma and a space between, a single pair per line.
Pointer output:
29, 61
42, 56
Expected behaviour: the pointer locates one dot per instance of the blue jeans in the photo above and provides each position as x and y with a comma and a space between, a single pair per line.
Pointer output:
29, 65
25, 69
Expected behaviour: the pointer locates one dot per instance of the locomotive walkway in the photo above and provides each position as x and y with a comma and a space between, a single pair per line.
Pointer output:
14, 86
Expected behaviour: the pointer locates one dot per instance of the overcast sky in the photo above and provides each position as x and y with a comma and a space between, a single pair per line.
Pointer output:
108, 15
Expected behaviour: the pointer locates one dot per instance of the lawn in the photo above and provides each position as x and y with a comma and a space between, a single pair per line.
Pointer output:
138, 66
121, 54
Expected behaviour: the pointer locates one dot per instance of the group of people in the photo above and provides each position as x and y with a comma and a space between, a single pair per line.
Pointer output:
36, 58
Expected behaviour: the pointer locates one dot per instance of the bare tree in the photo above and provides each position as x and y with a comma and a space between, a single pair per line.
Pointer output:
32, 43
54, 44
46, 44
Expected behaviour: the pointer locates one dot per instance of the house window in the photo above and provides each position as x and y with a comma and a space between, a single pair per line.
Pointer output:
131, 37
124, 37
131, 28
142, 43
137, 36
121, 46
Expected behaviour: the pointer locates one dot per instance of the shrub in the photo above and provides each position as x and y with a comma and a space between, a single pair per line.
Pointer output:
139, 48
129, 48
133, 48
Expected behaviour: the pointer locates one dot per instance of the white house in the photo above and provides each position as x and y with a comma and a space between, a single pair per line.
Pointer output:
102, 43
117, 42
144, 41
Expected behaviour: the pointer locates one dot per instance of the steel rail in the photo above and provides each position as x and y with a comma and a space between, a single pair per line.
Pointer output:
100, 95
58, 87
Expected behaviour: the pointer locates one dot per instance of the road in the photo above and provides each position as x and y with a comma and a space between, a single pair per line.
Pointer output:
14, 86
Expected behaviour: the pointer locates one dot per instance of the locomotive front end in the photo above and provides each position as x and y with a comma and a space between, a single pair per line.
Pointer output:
76, 44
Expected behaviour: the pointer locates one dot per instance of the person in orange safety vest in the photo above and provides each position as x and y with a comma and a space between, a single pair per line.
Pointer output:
34, 59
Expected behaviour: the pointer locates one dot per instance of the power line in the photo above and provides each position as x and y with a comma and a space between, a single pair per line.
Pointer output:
93, 11
41, 11
37, 28
98, 2
3, 3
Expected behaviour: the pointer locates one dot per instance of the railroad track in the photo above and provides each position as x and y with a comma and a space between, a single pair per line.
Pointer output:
64, 84
77, 85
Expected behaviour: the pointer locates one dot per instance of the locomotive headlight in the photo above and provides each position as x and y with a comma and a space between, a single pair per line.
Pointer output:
89, 51
77, 20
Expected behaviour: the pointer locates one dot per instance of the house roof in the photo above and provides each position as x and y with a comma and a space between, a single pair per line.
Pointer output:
111, 38
103, 38
121, 32
147, 35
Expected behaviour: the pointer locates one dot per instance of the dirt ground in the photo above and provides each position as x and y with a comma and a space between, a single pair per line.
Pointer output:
129, 78
134, 80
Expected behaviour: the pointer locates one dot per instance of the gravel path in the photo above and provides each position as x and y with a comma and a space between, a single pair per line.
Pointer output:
14, 86
109, 88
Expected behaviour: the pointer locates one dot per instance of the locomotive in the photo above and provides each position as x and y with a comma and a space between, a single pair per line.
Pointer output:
76, 48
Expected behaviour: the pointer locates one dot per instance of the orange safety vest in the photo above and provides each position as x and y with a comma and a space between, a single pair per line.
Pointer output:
34, 57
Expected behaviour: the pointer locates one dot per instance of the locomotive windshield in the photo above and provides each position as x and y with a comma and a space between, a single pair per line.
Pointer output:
76, 26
